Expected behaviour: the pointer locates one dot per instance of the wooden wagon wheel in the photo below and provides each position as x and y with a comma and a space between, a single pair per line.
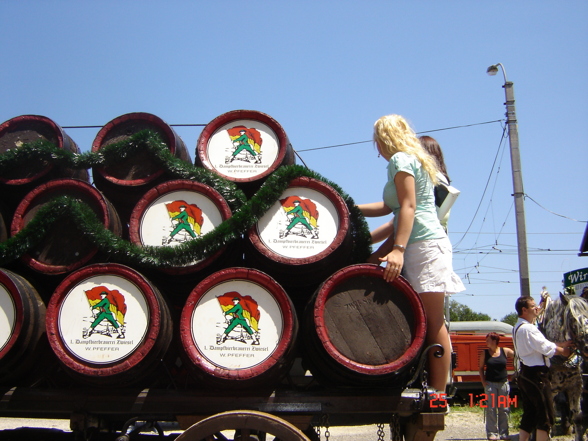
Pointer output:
245, 423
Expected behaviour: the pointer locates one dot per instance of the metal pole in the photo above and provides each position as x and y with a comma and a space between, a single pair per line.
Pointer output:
517, 183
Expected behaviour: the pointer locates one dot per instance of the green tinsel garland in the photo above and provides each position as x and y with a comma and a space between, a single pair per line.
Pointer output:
245, 213
145, 140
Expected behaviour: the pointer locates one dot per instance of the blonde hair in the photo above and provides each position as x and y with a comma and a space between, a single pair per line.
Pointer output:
393, 134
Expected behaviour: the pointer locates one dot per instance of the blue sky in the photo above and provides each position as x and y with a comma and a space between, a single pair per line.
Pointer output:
326, 70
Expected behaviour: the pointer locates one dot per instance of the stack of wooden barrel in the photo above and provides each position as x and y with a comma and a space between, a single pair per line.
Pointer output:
162, 272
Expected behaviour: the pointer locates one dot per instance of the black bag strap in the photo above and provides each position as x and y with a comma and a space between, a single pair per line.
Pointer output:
517, 360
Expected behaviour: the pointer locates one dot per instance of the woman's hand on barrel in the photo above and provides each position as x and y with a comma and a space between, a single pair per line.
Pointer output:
394, 262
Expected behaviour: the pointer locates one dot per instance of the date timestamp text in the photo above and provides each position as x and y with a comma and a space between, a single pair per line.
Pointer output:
492, 400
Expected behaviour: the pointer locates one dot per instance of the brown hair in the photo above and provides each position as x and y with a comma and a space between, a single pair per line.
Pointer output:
522, 302
432, 147
494, 336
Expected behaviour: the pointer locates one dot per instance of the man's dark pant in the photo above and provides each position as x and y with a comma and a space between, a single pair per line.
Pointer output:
535, 389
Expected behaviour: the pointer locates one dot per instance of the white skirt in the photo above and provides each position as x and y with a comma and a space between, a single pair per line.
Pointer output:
428, 267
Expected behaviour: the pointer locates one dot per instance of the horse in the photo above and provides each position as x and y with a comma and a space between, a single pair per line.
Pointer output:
566, 318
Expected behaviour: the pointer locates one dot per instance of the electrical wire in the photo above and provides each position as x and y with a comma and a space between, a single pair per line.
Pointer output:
99, 127
485, 187
552, 212
418, 133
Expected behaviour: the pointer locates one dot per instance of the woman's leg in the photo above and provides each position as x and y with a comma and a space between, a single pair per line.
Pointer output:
491, 411
503, 410
434, 304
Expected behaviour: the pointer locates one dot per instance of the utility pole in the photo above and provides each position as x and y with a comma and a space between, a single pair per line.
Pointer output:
517, 180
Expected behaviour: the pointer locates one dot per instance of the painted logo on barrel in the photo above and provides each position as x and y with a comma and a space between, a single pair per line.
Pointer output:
108, 309
237, 324
246, 145
302, 217
177, 217
103, 319
242, 316
243, 149
302, 224
7, 316
186, 220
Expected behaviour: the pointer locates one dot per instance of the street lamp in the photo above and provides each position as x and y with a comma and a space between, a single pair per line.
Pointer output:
517, 179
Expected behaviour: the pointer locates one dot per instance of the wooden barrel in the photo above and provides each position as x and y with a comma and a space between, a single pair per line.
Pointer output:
304, 237
238, 329
176, 212
244, 146
109, 325
23, 341
26, 129
64, 248
360, 330
126, 180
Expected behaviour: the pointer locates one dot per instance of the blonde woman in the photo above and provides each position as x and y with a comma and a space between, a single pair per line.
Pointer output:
417, 247
433, 148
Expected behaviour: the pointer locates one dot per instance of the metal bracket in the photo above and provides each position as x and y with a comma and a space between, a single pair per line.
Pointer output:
419, 373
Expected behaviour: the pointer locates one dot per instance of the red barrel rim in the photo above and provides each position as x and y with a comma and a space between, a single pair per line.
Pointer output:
138, 116
227, 117
13, 290
252, 275
400, 283
18, 220
118, 367
19, 120
167, 187
344, 226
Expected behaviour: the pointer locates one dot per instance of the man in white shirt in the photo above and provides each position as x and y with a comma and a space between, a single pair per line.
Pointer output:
534, 352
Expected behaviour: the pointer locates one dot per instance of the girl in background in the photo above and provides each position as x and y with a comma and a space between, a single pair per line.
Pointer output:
495, 381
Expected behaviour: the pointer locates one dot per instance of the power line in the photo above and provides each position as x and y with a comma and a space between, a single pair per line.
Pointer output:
528, 234
99, 127
485, 187
459, 127
334, 146
552, 212
418, 133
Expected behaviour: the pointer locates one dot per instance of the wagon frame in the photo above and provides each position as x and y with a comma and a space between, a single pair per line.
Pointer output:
293, 410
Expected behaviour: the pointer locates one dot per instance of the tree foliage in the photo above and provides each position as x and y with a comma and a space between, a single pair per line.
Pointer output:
461, 313
510, 319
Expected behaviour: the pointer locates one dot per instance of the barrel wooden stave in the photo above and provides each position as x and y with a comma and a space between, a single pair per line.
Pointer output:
362, 331
141, 168
127, 180
25, 358
363, 340
64, 248
28, 129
